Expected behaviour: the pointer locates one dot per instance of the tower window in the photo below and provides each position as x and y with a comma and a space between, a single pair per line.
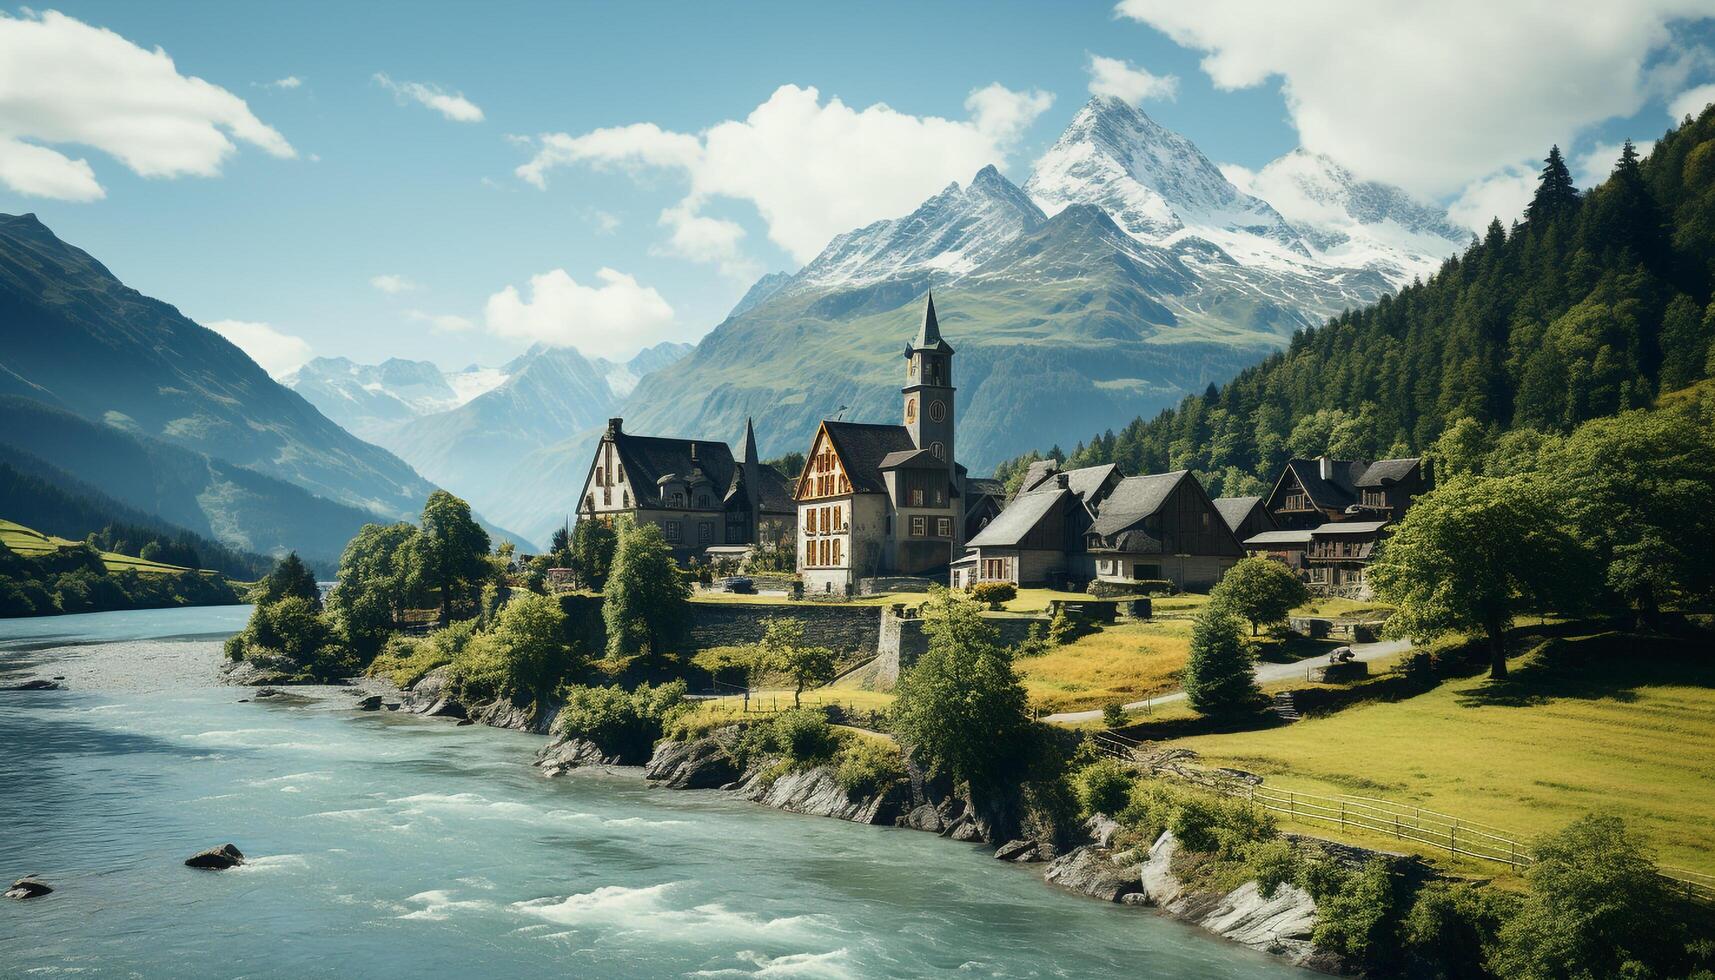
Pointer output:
939, 450
938, 410
910, 410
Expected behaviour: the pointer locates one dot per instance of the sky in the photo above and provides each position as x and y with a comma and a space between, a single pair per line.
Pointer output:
456, 181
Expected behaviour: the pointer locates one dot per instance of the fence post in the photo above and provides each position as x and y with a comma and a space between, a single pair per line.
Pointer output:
1292, 805
1452, 836
1342, 814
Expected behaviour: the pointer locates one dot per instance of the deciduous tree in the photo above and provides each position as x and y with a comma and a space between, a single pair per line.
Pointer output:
646, 603
1260, 590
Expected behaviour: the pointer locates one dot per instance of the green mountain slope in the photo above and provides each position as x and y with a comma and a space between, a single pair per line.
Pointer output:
1594, 304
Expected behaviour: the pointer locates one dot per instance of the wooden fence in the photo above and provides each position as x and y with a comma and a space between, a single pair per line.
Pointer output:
1402, 821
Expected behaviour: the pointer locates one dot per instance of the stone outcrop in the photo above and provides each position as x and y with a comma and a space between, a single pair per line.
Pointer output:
702, 763
216, 858
1092, 871
369, 702
39, 684
28, 886
563, 755
817, 792
432, 696
261, 669
1280, 923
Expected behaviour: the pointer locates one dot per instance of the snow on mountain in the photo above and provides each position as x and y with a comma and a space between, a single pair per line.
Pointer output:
1351, 222
1156, 185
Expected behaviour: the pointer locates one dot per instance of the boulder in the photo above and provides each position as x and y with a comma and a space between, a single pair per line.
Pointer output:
38, 684
1280, 923
925, 817
1018, 850
216, 858
260, 669
562, 756
1091, 871
702, 763
432, 696
465, 721
28, 886
817, 792
370, 703
1160, 885
1102, 829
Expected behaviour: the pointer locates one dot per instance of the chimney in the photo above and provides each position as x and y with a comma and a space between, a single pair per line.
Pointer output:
1062, 481
693, 451
1325, 467
613, 426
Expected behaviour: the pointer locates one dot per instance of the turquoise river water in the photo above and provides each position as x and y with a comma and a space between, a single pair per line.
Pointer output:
384, 845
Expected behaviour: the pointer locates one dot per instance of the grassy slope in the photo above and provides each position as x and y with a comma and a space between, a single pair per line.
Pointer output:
1605, 722
31, 543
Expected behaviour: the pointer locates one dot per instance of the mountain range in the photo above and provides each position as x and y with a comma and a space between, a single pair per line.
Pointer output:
125, 393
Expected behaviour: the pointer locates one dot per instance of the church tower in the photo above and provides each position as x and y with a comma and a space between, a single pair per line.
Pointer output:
929, 390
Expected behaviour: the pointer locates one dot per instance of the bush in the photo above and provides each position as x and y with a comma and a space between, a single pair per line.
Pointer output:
1103, 786
1063, 629
291, 628
524, 655
1218, 677
1113, 714
1034, 644
993, 594
866, 766
405, 660
1360, 919
623, 723
1271, 863
804, 737
1451, 930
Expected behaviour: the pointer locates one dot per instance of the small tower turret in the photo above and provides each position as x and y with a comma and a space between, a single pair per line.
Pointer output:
929, 389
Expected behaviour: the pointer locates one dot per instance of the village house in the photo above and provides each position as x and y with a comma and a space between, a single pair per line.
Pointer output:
700, 494
1330, 515
886, 500
1245, 516
1038, 537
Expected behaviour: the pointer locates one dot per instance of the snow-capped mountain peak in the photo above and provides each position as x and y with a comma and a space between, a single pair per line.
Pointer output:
1155, 183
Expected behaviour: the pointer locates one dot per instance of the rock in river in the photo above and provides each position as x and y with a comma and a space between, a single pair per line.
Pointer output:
28, 886
1092, 871
699, 764
216, 858
38, 684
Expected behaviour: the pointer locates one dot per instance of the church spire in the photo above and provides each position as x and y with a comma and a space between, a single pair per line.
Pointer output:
929, 334
747, 446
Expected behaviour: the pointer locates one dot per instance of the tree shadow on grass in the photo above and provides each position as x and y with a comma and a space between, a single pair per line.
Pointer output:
1604, 666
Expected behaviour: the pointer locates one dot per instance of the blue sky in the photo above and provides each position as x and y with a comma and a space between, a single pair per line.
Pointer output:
381, 184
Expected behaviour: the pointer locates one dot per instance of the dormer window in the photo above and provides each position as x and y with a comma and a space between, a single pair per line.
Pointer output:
678, 498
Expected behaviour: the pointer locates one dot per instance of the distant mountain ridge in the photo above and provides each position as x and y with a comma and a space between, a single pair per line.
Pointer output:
1127, 271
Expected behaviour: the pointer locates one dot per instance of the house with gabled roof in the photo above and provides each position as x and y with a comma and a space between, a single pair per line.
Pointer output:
1038, 537
1162, 527
1312, 492
886, 500
696, 490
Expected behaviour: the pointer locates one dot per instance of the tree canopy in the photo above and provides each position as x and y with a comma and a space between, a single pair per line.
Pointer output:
450, 553
646, 601
1260, 590
1219, 677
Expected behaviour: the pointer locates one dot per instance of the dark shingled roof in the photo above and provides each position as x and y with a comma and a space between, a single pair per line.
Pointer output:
1278, 537
862, 446
1019, 518
1133, 499
649, 458
982, 486
1385, 471
1083, 481
1349, 527
920, 458
929, 334
1234, 510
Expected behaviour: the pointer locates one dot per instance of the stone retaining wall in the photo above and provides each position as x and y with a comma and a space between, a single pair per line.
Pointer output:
842, 629
903, 641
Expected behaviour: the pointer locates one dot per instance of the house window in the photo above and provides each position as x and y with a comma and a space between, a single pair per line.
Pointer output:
810, 520
836, 551
1375, 498
589, 499
672, 530
994, 569
939, 450
917, 498
1205, 520
920, 527
938, 501
702, 500
827, 552
625, 498
606, 496
944, 527
600, 480
838, 523
705, 533
937, 410
910, 410
1296, 501
678, 498
619, 472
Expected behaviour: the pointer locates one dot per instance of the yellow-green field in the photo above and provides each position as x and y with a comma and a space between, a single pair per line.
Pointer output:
1604, 722
30, 543
1120, 663
716, 712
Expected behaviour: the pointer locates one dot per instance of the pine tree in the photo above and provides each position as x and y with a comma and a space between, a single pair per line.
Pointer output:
1555, 193
1219, 679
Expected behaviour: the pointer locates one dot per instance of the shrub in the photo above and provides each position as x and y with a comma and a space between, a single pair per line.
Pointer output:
1103, 786
524, 655
1034, 644
404, 660
993, 594
866, 766
1359, 920
623, 723
1218, 677
1113, 714
803, 736
1063, 629
1451, 929
1271, 863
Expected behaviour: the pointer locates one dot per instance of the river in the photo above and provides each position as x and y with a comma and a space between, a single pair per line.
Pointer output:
386, 845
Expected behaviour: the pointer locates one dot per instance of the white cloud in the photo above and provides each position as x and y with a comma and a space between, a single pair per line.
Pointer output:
65, 82
614, 319
391, 284
278, 353
441, 322
1596, 164
811, 170
1691, 102
1431, 96
1123, 80
453, 105
701, 238
1502, 194
289, 82
606, 222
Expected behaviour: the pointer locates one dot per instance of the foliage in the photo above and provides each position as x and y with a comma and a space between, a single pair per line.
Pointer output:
1559, 319
960, 706
405, 659
1113, 714
1596, 908
290, 577
590, 551
1470, 554
623, 723
866, 766
993, 594
523, 656
1063, 629
1260, 590
790, 466
1452, 929
78, 579
782, 648
1103, 786
294, 628
450, 553
1361, 919
1219, 677
771, 557
1271, 863
799, 737
1034, 644
376, 584
646, 602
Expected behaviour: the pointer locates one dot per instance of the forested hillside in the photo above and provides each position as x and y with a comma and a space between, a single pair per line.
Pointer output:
1592, 304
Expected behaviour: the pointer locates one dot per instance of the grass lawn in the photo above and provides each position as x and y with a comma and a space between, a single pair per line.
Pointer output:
1603, 722
715, 712
30, 543
1117, 663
